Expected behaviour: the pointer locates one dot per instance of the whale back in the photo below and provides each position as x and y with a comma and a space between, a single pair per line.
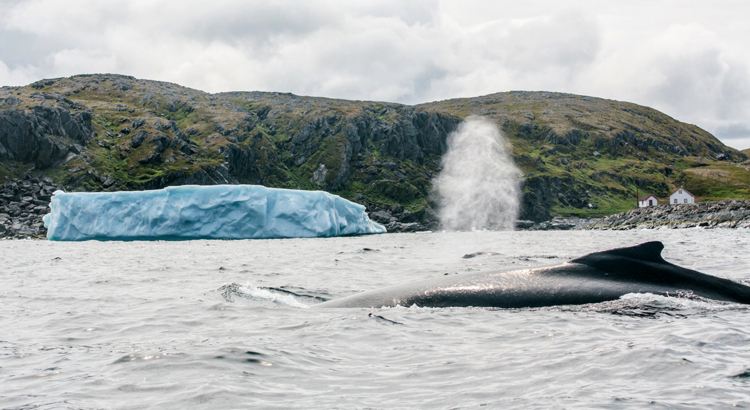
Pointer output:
643, 264
646, 252
591, 278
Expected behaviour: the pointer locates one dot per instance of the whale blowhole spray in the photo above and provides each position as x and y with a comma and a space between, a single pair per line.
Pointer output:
479, 186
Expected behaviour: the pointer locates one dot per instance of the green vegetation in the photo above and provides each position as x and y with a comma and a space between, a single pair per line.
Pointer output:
580, 156
11, 169
717, 181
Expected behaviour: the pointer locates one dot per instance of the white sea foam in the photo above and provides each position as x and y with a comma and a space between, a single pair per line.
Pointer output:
253, 292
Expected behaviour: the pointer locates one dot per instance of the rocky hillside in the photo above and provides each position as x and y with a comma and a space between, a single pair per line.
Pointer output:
581, 156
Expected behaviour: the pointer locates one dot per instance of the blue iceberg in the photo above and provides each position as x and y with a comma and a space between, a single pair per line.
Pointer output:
204, 212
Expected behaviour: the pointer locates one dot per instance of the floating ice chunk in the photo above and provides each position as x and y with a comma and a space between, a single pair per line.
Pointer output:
204, 212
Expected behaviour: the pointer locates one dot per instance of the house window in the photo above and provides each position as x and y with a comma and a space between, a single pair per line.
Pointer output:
675, 200
680, 191
685, 200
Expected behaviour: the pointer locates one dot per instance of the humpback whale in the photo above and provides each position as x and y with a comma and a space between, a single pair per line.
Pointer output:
593, 278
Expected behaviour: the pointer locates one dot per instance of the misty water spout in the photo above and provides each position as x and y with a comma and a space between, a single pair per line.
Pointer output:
479, 186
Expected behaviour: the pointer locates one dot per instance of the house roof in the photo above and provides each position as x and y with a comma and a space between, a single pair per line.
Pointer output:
643, 198
686, 191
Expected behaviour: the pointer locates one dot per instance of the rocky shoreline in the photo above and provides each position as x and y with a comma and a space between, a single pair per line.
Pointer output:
24, 202
719, 214
716, 214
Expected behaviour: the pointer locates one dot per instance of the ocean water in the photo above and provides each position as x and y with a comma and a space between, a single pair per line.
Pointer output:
226, 325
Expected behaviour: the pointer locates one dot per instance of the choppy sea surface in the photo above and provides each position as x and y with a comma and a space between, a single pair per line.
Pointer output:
226, 325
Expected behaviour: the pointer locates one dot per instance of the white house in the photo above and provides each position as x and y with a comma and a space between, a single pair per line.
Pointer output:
648, 200
681, 196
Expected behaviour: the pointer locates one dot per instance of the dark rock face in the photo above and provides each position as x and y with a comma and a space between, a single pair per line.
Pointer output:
42, 135
208, 175
541, 191
410, 136
538, 194
413, 135
241, 161
23, 204
330, 147
138, 139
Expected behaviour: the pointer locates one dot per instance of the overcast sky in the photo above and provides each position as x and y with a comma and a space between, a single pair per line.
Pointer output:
689, 59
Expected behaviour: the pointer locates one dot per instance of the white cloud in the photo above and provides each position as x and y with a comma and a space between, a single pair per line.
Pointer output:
689, 59
17, 75
566, 42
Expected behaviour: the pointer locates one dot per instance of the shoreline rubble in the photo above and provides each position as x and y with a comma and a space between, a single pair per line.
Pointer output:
24, 201
732, 214
715, 214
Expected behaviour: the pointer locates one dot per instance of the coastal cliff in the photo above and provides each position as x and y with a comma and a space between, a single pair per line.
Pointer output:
580, 156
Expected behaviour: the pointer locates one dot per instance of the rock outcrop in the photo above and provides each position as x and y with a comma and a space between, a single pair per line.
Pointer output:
43, 135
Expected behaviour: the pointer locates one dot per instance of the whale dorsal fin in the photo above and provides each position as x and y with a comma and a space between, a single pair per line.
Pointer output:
648, 251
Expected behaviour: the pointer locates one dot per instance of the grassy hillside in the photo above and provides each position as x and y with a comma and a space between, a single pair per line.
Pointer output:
599, 151
580, 155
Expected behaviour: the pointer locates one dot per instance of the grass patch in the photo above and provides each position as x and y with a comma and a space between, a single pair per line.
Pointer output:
717, 182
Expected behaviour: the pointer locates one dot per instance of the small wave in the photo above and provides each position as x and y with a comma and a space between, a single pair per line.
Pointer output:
243, 355
483, 254
249, 291
136, 357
